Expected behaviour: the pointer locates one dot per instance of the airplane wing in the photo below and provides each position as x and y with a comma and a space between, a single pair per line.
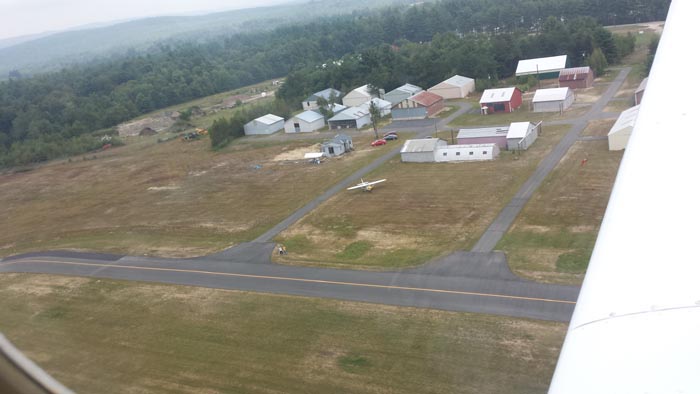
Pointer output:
357, 186
375, 182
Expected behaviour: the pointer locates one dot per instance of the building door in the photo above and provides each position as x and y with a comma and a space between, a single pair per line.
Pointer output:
499, 107
297, 128
331, 151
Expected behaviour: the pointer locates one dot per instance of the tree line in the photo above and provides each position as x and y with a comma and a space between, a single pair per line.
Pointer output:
71, 104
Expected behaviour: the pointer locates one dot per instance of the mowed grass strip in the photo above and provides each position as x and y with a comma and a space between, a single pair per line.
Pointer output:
423, 210
170, 199
102, 336
553, 237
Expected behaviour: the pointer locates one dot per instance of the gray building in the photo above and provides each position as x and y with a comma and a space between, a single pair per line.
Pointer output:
304, 122
401, 93
421, 150
552, 100
337, 146
353, 117
521, 135
311, 102
266, 124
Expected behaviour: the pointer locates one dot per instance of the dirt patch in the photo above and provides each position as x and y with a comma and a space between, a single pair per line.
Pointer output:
42, 285
157, 123
598, 128
298, 153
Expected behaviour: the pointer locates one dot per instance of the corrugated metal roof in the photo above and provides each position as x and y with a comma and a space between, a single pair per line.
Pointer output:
379, 103
420, 145
626, 119
574, 74
408, 88
325, 93
496, 131
363, 90
519, 129
309, 116
269, 119
458, 80
541, 65
468, 146
425, 98
352, 113
497, 95
554, 94
642, 86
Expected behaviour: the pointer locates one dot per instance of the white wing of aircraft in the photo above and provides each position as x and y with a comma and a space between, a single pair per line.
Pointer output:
636, 326
366, 186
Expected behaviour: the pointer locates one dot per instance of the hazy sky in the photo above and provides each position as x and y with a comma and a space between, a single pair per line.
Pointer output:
22, 17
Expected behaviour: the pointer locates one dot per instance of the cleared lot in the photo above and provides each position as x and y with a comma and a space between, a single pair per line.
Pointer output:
99, 336
423, 210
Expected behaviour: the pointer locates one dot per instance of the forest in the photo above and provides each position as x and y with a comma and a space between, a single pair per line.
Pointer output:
63, 113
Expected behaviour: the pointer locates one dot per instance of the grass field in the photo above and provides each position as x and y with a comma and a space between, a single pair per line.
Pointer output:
552, 238
521, 115
598, 128
421, 211
100, 336
169, 199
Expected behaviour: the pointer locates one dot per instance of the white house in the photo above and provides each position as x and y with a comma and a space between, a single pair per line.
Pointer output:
384, 106
311, 102
353, 117
552, 100
454, 87
471, 152
521, 135
266, 124
304, 122
622, 129
358, 96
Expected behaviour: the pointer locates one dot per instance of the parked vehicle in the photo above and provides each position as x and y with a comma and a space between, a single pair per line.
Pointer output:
391, 137
379, 142
389, 133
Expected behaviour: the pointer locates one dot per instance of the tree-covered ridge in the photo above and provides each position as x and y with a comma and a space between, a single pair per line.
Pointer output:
475, 37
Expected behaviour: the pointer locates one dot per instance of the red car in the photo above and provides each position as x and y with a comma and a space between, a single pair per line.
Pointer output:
379, 142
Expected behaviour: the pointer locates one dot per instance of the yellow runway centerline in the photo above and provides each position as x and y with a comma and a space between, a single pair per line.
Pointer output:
283, 278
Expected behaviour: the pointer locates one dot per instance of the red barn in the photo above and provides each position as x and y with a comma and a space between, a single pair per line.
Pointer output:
501, 100
419, 106
576, 78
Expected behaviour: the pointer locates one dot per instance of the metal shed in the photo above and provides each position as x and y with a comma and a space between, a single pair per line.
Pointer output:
521, 135
358, 96
304, 122
552, 100
311, 102
401, 93
543, 68
353, 117
484, 135
266, 124
622, 129
421, 150
576, 78
454, 87
471, 152
419, 106
384, 106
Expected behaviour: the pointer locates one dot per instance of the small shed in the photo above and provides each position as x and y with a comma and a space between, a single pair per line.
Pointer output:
311, 102
384, 106
421, 150
454, 87
266, 124
472, 152
304, 122
358, 96
639, 93
622, 129
419, 106
552, 100
401, 93
484, 135
576, 78
337, 146
543, 68
353, 117
501, 100
521, 135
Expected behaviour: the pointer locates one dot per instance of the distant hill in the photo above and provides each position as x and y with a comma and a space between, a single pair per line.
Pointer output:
33, 55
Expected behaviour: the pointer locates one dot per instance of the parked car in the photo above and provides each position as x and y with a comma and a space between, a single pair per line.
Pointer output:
379, 142
389, 133
391, 137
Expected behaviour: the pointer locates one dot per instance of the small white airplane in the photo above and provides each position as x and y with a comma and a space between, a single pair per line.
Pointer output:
366, 186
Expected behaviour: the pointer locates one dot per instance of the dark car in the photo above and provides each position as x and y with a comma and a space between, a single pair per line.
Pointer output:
388, 133
391, 137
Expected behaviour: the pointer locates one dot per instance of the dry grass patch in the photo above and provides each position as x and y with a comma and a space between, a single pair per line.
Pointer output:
598, 128
102, 336
421, 211
552, 238
171, 199
523, 114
